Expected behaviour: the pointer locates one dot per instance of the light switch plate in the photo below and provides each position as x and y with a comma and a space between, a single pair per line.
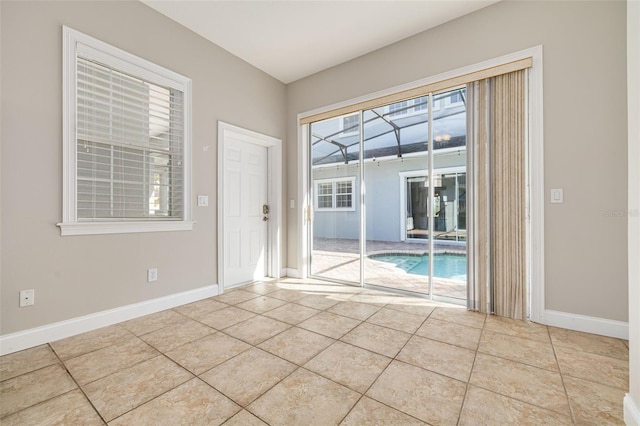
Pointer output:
203, 200
557, 196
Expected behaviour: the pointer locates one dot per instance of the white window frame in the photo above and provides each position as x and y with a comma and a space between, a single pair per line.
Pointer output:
73, 42
334, 183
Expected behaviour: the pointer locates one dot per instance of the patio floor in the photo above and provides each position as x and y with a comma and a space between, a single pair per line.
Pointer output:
339, 259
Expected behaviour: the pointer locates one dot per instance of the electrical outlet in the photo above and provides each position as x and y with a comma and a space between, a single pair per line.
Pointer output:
152, 275
27, 297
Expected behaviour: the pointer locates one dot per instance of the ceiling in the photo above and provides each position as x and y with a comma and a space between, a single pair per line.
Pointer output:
290, 40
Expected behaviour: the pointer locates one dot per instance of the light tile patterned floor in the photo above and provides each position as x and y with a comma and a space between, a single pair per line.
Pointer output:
312, 353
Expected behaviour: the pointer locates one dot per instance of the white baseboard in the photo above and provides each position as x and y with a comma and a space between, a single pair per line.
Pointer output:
631, 411
292, 273
587, 324
59, 330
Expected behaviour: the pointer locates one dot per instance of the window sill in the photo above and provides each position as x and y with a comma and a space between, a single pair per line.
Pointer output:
98, 228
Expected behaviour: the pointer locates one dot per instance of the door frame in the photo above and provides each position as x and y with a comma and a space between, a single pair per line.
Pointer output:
274, 195
534, 163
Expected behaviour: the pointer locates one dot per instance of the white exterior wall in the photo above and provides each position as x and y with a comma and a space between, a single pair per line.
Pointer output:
382, 197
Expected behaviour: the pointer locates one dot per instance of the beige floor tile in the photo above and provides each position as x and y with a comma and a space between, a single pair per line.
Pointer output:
71, 408
247, 376
32, 388
287, 295
428, 396
261, 304
594, 403
292, 313
328, 324
525, 383
372, 413
592, 343
442, 358
91, 341
226, 317
97, 364
257, 329
153, 322
235, 296
374, 298
261, 287
482, 407
517, 328
460, 316
22, 362
402, 321
201, 307
412, 306
192, 403
450, 332
304, 398
348, 365
244, 418
319, 301
120, 392
378, 339
204, 354
296, 345
596, 368
174, 336
355, 310
526, 351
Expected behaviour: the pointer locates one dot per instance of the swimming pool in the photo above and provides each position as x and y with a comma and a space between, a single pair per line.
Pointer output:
449, 266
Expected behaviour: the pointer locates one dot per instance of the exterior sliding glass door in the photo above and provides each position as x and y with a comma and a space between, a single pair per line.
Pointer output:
335, 185
389, 191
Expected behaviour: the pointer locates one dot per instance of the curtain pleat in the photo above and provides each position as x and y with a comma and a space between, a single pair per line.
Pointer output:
508, 220
497, 229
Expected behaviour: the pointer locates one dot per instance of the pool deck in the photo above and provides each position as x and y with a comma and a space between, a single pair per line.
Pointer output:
339, 259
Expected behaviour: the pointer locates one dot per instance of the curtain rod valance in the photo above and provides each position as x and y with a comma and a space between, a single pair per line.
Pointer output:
422, 90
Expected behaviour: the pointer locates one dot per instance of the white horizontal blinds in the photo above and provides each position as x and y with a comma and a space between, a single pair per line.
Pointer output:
129, 146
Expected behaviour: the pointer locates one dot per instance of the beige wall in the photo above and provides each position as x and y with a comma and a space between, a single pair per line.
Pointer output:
584, 128
78, 275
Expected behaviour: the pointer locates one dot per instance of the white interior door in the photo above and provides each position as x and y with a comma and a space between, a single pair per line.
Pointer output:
245, 227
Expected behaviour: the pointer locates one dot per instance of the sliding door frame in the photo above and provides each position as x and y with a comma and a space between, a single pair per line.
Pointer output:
534, 163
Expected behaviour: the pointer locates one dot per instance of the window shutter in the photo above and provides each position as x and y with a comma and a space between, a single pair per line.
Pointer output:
130, 147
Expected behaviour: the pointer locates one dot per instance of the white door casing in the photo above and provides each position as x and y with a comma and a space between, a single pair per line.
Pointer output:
249, 177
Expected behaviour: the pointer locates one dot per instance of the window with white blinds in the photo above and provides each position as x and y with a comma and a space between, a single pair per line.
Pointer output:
126, 141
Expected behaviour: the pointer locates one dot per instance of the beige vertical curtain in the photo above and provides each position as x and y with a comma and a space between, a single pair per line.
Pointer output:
497, 238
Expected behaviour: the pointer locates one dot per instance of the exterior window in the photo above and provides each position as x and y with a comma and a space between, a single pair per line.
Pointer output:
350, 123
126, 142
325, 195
454, 98
397, 109
335, 194
421, 103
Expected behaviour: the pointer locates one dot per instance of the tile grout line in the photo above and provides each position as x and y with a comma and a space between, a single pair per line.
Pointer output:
473, 364
78, 385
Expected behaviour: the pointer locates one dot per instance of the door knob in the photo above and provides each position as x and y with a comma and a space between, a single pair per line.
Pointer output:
265, 218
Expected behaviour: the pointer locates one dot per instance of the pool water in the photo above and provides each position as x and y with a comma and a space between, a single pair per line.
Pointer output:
452, 267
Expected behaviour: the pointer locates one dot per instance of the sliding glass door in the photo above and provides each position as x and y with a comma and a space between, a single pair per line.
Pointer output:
335, 185
389, 196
